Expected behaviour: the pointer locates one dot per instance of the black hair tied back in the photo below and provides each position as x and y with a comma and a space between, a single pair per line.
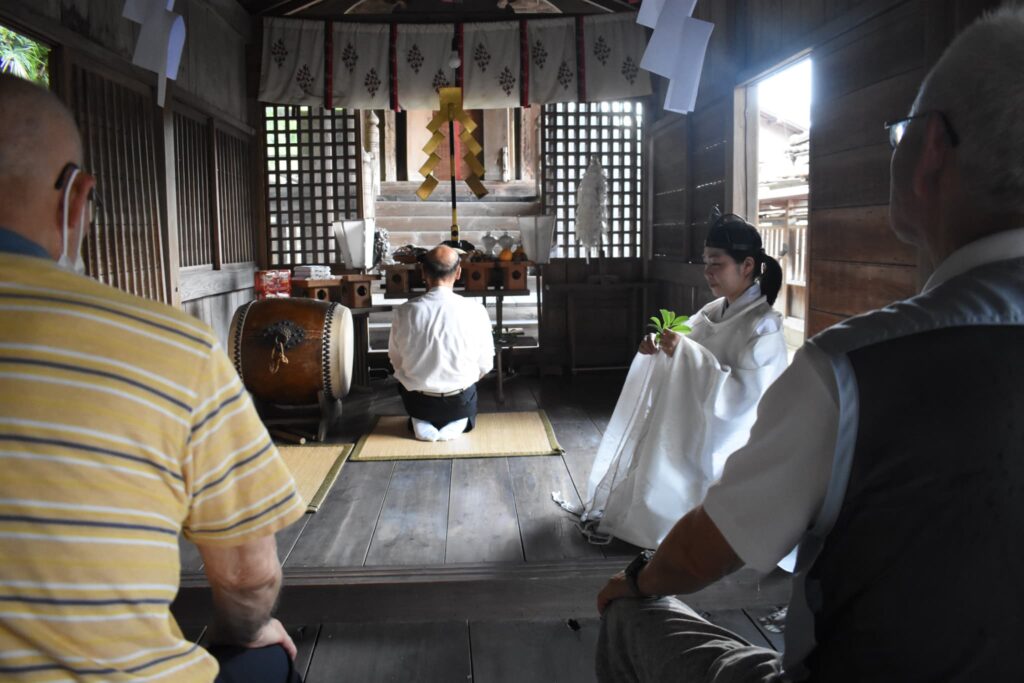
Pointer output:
740, 239
771, 276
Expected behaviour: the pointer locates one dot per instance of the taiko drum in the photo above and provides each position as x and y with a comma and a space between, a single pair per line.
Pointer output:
288, 350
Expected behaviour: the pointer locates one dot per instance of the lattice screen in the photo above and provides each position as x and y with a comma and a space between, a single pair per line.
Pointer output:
192, 159
313, 179
125, 246
235, 190
571, 133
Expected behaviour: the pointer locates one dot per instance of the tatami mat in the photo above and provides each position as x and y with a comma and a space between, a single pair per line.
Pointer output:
495, 435
315, 469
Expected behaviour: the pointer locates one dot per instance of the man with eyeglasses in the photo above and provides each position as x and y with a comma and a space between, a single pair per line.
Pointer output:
892, 450
122, 425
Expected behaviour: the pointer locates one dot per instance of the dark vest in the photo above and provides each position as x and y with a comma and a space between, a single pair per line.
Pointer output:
919, 573
922, 576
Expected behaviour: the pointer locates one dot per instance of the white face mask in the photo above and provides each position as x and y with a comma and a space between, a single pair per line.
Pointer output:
78, 265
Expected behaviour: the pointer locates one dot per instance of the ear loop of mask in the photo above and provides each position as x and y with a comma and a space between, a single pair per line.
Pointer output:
78, 266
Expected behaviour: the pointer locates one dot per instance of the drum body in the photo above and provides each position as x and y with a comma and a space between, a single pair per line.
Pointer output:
315, 338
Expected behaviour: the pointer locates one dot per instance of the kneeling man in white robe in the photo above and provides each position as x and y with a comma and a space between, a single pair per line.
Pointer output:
440, 346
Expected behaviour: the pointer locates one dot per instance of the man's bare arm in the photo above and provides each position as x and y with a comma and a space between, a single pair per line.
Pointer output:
693, 555
245, 580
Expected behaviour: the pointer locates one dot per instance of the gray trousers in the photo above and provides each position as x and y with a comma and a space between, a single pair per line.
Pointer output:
656, 640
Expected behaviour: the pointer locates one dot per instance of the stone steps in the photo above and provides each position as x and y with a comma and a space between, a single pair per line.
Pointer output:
386, 208
516, 190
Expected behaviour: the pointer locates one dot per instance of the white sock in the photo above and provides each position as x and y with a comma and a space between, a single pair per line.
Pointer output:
424, 431
452, 429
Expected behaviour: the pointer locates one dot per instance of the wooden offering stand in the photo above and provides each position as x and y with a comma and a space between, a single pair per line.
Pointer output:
405, 279
356, 290
351, 291
513, 274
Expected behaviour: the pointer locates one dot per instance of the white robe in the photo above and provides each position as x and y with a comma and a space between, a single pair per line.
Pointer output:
679, 418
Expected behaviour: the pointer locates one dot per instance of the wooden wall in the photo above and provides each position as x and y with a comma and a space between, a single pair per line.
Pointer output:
869, 58
212, 80
603, 324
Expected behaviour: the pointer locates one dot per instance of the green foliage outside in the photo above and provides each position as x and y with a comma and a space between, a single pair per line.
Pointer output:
24, 57
669, 321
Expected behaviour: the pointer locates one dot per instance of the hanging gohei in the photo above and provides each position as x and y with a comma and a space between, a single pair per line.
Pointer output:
592, 208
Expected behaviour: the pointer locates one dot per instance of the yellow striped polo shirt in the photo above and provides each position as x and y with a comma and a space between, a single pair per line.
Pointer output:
122, 422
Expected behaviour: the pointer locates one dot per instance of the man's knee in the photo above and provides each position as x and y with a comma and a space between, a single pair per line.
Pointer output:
269, 664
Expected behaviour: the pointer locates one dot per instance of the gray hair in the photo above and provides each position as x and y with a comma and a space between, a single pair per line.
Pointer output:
978, 84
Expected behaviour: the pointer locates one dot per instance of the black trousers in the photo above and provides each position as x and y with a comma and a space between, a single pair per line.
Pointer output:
440, 410
269, 664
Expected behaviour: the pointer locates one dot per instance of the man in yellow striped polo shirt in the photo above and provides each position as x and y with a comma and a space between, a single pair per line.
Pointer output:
122, 424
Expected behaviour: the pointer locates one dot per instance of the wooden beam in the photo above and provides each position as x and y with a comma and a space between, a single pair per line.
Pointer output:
859, 14
199, 282
257, 7
468, 591
232, 13
216, 246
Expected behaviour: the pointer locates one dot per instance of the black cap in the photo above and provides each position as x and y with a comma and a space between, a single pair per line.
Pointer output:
732, 233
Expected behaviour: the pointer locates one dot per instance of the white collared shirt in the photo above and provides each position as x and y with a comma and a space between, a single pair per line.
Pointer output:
440, 342
771, 489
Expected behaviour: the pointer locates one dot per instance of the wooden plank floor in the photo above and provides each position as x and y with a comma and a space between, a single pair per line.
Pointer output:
438, 512
476, 651
385, 522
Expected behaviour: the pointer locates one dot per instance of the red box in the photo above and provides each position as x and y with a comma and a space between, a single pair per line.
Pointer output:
271, 284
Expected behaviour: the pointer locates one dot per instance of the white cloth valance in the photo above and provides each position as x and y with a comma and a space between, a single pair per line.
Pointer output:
360, 69
292, 70
402, 66
552, 60
421, 56
491, 67
613, 45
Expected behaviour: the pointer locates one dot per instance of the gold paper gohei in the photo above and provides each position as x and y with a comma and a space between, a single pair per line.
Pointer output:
450, 101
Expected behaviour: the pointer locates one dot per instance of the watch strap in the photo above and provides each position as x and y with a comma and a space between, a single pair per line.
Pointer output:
633, 572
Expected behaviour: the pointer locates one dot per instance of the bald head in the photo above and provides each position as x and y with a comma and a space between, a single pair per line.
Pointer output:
38, 135
38, 138
440, 265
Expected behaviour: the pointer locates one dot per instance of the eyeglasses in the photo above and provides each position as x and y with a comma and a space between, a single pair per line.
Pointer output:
95, 204
898, 127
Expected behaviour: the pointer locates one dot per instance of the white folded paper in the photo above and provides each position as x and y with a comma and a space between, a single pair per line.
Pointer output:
161, 39
355, 241
685, 79
650, 10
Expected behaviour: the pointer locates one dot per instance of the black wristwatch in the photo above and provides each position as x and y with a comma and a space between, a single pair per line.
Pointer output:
633, 572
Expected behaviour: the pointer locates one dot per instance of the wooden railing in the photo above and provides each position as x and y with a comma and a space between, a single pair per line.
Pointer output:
783, 226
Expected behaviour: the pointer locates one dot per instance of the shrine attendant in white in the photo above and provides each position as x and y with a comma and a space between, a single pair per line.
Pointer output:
688, 403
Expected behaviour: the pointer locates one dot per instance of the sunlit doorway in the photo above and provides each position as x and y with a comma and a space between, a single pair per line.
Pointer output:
778, 124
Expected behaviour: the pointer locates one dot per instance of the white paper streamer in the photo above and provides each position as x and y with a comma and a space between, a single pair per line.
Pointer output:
682, 89
161, 39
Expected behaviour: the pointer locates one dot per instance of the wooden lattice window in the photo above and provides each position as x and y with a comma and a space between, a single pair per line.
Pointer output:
235, 195
215, 192
313, 179
572, 133
116, 117
192, 158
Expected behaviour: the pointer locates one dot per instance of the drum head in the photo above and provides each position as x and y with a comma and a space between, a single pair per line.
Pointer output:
339, 351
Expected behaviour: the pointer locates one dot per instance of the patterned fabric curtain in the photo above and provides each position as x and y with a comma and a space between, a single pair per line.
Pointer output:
553, 74
422, 54
360, 74
613, 46
491, 65
369, 60
293, 62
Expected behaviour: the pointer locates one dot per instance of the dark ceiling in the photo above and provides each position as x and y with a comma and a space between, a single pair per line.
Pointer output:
432, 10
